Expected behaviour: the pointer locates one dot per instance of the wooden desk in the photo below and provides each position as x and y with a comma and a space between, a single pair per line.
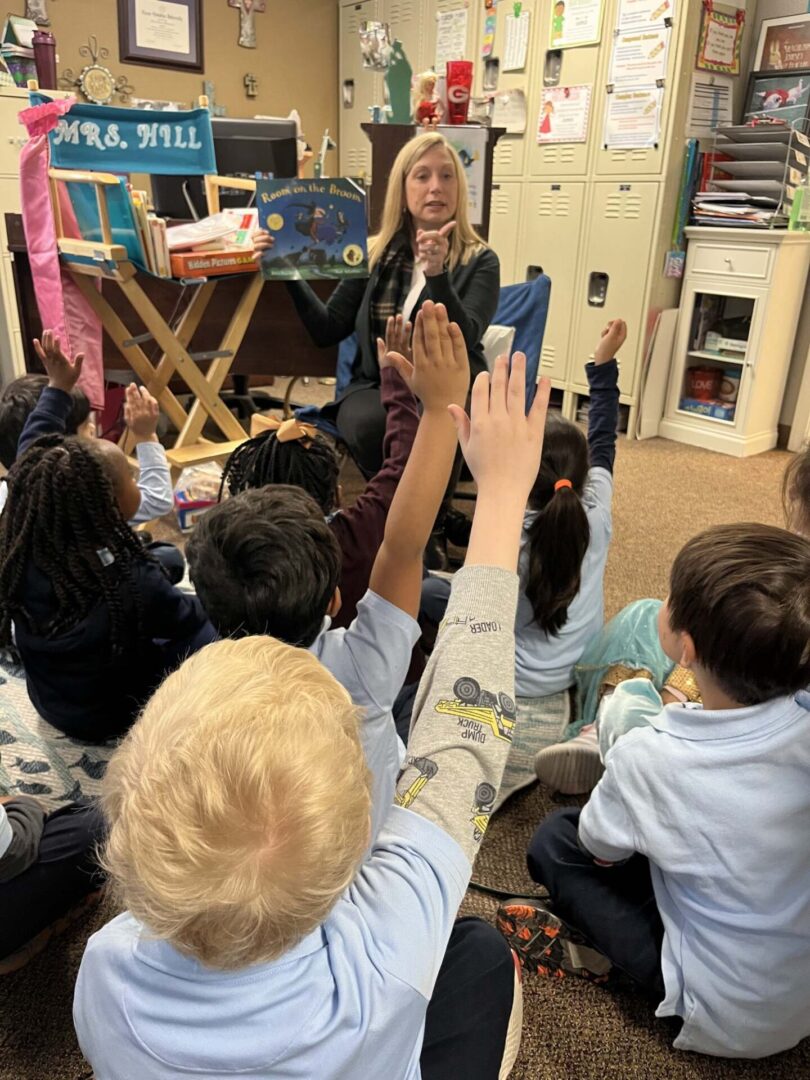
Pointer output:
276, 342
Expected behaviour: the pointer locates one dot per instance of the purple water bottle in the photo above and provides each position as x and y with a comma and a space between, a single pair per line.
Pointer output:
45, 58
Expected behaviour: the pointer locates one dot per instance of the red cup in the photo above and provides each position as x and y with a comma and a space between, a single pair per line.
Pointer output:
704, 382
459, 87
45, 59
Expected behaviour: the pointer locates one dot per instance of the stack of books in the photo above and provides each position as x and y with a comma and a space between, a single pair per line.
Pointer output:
219, 244
757, 170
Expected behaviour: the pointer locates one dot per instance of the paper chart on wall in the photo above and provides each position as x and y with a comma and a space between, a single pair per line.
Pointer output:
575, 22
564, 112
451, 38
471, 145
517, 42
509, 111
641, 14
710, 105
633, 117
639, 58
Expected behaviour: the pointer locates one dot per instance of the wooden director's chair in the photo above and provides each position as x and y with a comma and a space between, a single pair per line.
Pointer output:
87, 260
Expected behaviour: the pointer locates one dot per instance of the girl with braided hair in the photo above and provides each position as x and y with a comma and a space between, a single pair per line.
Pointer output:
96, 621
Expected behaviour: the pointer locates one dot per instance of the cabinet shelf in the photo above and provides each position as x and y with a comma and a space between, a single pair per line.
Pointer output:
702, 354
707, 419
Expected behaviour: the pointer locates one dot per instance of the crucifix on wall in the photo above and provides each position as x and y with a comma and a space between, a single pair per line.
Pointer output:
247, 20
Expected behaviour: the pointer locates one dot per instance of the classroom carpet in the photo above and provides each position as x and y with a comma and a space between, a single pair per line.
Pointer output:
665, 493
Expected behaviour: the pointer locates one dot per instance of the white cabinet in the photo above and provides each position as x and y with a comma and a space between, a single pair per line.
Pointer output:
736, 324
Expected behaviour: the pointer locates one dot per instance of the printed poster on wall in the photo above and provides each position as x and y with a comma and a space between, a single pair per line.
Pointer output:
451, 38
784, 44
564, 112
720, 39
471, 146
637, 15
633, 118
639, 58
575, 22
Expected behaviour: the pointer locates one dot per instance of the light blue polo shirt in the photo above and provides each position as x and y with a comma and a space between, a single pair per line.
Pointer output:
347, 1003
544, 664
370, 659
719, 801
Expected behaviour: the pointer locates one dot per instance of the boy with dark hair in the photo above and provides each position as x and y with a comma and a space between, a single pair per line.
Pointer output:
18, 401
235, 548
688, 867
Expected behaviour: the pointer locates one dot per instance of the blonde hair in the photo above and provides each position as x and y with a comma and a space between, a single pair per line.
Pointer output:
464, 240
239, 803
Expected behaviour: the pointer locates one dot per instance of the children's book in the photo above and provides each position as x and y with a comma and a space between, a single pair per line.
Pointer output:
318, 228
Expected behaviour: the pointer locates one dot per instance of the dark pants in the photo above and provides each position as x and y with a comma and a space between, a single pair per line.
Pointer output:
170, 558
65, 872
613, 907
468, 1015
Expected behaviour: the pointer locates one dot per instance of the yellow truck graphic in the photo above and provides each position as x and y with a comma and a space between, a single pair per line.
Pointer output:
494, 711
427, 769
485, 795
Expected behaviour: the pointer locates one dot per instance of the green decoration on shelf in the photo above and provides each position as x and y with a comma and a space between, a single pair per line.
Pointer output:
398, 84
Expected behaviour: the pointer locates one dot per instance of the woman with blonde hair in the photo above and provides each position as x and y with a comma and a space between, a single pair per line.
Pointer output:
426, 249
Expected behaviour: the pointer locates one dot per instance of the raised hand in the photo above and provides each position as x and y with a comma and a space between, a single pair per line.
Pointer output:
262, 241
397, 340
433, 247
500, 442
440, 372
613, 337
141, 413
62, 374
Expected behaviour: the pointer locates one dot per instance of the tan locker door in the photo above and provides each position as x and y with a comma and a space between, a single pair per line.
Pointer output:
510, 150
504, 225
407, 21
354, 148
579, 67
618, 241
552, 219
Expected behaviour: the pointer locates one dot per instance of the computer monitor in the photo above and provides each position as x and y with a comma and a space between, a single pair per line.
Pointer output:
242, 148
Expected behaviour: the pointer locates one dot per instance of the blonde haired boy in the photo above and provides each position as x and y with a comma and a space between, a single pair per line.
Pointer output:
260, 938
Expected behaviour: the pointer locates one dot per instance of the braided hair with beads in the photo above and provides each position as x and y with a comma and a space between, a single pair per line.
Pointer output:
310, 464
62, 514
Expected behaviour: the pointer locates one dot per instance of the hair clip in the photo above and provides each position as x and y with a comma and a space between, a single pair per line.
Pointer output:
105, 556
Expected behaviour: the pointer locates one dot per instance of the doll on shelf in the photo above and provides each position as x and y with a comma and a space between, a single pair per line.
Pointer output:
427, 109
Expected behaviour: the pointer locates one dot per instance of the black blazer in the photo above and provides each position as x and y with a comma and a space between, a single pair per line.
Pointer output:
470, 294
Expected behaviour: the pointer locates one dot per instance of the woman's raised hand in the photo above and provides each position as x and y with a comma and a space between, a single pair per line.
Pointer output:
433, 247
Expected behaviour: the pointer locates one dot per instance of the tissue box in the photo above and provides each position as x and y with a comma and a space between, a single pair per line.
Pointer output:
189, 509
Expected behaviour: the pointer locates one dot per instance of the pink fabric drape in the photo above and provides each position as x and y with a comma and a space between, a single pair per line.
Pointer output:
62, 308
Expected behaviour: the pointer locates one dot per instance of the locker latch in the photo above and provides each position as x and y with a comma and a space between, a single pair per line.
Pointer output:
597, 288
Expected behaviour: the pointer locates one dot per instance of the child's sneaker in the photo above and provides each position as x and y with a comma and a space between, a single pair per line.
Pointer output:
545, 945
573, 767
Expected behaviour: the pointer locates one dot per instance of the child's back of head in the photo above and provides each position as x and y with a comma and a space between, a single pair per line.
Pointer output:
19, 400
63, 517
559, 534
266, 562
742, 593
796, 493
251, 752
308, 462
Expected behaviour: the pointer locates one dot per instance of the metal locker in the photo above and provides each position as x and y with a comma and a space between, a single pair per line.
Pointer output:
364, 86
407, 19
510, 150
504, 225
549, 234
612, 277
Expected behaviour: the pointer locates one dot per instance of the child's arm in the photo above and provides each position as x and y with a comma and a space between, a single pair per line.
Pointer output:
439, 376
22, 820
465, 709
360, 528
154, 479
603, 379
50, 414
173, 617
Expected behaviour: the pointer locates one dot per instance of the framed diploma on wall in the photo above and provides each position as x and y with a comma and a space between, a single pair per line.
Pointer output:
164, 33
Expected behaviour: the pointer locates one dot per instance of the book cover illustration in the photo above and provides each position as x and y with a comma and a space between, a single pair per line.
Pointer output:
319, 229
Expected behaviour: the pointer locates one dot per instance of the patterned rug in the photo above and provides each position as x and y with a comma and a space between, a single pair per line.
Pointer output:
35, 758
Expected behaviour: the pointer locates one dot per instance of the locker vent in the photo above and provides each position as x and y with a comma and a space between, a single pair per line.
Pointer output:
554, 204
501, 203
623, 204
353, 20
358, 161
504, 152
622, 157
401, 11
567, 154
548, 356
558, 155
